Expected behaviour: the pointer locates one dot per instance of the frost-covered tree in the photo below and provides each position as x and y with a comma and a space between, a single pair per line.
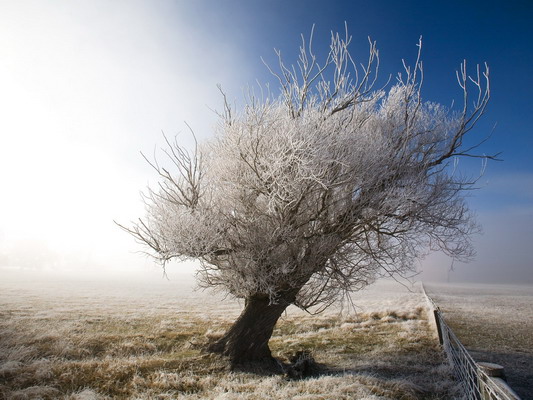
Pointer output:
307, 196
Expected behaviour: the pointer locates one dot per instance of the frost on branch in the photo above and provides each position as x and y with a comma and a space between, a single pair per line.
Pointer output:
305, 197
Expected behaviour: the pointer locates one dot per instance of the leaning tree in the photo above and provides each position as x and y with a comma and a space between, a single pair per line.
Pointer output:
303, 197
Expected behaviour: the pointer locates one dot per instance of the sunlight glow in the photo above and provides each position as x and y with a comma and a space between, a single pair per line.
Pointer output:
83, 89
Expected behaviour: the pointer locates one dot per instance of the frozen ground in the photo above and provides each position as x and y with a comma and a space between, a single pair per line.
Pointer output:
93, 338
495, 323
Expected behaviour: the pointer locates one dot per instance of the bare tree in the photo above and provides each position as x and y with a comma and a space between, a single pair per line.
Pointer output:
303, 198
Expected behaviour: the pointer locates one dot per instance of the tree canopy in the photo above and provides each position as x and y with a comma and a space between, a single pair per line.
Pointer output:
302, 197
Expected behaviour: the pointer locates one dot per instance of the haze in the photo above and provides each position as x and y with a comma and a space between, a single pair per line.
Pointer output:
85, 86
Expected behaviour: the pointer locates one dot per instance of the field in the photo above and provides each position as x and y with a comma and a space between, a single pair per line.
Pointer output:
74, 338
495, 323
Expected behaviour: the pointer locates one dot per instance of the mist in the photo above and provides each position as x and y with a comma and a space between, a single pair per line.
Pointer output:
85, 87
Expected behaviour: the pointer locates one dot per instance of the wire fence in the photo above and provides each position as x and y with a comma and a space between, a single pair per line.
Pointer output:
477, 384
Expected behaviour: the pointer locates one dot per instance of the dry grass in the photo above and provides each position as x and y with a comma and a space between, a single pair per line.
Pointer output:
144, 341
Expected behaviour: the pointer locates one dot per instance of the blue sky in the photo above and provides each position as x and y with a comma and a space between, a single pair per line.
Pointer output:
86, 85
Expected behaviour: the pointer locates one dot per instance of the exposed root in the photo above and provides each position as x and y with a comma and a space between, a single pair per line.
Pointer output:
302, 366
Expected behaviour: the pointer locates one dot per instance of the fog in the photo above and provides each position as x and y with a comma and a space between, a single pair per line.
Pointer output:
505, 214
86, 86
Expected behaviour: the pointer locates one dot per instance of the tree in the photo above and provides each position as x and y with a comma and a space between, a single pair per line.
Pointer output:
305, 197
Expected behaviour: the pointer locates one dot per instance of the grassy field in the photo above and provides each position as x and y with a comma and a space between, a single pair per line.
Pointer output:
143, 339
495, 323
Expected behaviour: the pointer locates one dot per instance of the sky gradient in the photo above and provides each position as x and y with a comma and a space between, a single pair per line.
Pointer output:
86, 85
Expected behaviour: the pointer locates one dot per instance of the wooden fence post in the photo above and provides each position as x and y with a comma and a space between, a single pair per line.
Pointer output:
439, 328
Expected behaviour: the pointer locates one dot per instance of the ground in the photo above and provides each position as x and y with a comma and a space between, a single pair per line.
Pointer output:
118, 339
495, 323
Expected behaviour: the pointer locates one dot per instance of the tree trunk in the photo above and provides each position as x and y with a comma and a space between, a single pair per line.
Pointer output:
247, 339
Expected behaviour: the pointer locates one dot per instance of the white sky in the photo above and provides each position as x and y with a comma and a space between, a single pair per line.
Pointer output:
85, 86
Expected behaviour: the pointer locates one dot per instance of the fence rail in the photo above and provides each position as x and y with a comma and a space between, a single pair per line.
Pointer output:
475, 377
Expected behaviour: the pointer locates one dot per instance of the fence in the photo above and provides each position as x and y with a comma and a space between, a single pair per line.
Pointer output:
481, 381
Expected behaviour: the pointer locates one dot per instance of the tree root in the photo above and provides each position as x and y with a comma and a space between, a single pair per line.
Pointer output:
302, 365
